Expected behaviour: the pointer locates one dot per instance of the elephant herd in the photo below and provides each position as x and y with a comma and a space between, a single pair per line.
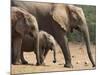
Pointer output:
39, 26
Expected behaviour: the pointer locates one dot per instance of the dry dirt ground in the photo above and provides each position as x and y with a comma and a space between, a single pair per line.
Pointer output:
80, 60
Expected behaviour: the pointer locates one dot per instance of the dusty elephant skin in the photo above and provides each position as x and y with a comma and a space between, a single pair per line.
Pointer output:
58, 20
46, 42
22, 23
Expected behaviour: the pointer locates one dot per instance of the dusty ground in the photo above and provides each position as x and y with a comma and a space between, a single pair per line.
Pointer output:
80, 61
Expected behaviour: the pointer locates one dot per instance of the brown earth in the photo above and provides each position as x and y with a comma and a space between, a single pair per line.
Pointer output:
80, 60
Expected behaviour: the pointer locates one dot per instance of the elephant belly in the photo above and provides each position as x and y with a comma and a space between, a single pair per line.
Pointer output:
45, 24
28, 44
50, 26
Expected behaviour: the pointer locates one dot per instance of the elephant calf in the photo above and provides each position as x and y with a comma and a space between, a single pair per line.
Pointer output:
46, 42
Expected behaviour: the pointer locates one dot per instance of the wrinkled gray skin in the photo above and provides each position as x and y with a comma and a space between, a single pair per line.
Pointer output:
46, 43
58, 20
22, 23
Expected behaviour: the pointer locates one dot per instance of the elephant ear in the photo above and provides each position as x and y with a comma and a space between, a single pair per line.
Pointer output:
60, 16
77, 14
21, 23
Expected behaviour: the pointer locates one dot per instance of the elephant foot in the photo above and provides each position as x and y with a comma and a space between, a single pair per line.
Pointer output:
17, 63
38, 64
68, 65
54, 61
43, 64
12, 62
93, 65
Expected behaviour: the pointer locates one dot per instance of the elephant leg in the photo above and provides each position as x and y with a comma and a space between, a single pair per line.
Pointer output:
12, 52
67, 54
36, 47
17, 50
42, 59
22, 58
38, 59
63, 42
42, 56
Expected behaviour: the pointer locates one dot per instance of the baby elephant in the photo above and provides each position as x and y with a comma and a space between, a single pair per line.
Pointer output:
46, 43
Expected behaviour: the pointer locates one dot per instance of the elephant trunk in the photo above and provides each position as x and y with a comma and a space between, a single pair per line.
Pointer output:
37, 49
54, 55
85, 32
35, 36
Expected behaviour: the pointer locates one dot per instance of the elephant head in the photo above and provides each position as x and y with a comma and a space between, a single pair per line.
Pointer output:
72, 17
52, 45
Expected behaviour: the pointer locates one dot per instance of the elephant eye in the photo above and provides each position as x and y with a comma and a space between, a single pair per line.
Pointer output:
51, 44
48, 39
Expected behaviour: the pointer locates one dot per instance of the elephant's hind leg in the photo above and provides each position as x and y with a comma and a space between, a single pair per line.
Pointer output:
17, 42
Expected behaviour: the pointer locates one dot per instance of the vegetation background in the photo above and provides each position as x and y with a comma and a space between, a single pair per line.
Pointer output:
90, 14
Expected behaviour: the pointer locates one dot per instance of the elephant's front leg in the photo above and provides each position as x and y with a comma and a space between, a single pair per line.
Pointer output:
63, 42
68, 62
17, 42
37, 57
42, 57
36, 47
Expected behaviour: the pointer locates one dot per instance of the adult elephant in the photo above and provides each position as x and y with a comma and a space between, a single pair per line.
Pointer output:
58, 20
46, 43
22, 23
